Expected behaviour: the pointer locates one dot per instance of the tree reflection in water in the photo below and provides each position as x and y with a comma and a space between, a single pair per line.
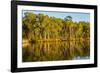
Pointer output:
53, 51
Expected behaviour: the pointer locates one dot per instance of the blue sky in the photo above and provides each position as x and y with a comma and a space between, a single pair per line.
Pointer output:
76, 16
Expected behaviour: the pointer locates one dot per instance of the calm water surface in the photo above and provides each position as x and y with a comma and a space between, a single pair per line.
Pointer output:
53, 51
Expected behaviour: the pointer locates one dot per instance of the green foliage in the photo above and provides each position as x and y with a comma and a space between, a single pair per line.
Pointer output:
42, 27
68, 18
58, 39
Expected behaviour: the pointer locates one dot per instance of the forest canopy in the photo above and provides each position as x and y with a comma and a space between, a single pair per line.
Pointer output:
41, 27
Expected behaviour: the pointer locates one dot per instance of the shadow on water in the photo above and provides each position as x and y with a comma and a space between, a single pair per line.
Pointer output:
53, 51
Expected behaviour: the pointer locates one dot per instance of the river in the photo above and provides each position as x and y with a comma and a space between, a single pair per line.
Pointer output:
55, 51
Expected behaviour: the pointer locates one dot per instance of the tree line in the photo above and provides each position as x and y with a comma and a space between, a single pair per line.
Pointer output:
41, 27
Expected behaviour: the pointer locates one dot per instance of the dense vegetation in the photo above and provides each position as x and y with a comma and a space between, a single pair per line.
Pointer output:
40, 27
50, 38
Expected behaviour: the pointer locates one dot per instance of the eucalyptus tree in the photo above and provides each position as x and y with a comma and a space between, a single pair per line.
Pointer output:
43, 27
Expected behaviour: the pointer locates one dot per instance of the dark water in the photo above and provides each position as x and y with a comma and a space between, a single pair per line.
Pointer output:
53, 51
